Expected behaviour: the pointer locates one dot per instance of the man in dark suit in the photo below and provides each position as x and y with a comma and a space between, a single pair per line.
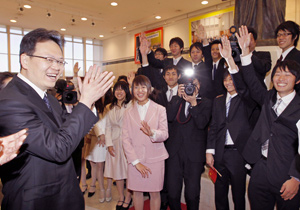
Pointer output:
287, 35
261, 60
272, 146
43, 175
228, 134
186, 146
155, 75
176, 47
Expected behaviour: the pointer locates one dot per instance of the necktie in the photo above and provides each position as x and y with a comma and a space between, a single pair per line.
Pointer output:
265, 146
195, 66
188, 109
171, 95
227, 111
280, 59
214, 71
276, 106
46, 100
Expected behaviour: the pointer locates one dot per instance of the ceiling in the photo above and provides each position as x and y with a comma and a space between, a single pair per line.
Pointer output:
108, 20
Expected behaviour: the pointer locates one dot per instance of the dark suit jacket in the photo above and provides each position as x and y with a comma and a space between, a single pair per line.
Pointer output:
217, 83
204, 76
188, 133
262, 64
156, 63
237, 122
154, 75
42, 176
293, 55
281, 131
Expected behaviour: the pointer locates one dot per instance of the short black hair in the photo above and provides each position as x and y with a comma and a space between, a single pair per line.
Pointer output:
253, 32
177, 40
60, 86
162, 50
292, 66
197, 45
30, 40
226, 73
3, 77
170, 67
216, 41
124, 86
122, 77
291, 27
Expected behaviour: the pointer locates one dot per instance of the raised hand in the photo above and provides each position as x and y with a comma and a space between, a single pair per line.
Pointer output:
76, 69
201, 34
95, 85
10, 145
225, 48
244, 40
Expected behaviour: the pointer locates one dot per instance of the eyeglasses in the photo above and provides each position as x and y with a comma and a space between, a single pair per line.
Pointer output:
283, 34
50, 60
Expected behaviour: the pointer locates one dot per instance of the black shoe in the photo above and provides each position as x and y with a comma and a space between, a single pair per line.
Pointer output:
88, 175
127, 207
164, 205
90, 194
119, 207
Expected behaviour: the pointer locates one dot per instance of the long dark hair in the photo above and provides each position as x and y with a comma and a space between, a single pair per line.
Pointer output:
100, 106
124, 86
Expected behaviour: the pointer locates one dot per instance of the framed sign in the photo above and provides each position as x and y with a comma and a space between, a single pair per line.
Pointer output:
216, 24
156, 38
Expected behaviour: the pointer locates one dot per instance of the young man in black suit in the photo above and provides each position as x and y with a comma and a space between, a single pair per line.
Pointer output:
228, 134
176, 47
43, 174
287, 35
273, 144
189, 115
155, 75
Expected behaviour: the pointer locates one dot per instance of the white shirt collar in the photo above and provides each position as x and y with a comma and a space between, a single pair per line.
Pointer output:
284, 54
195, 63
288, 98
217, 63
232, 96
40, 92
176, 60
174, 88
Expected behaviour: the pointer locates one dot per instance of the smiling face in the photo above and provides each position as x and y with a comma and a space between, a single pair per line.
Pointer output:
284, 81
39, 71
285, 40
140, 93
228, 83
196, 55
175, 50
215, 52
120, 94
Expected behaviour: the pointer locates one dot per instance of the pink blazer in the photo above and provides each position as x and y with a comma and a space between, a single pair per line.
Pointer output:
138, 145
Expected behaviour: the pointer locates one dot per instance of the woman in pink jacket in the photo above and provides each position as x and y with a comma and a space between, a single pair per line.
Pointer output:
145, 127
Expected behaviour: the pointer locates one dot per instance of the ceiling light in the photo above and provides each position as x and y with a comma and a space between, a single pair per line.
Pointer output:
114, 4
84, 18
204, 2
101, 36
27, 6
124, 27
63, 29
13, 20
157, 17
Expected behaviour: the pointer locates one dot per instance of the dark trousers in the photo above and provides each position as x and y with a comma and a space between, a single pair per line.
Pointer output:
164, 191
263, 195
233, 171
179, 168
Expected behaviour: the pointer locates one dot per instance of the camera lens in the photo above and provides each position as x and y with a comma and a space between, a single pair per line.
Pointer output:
189, 89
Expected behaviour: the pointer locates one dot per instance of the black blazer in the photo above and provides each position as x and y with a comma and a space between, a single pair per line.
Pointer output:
217, 83
293, 55
281, 131
237, 122
262, 64
188, 133
154, 75
204, 76
42, 176
156, 63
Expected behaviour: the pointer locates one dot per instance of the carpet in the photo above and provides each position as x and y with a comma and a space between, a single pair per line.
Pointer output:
147, 206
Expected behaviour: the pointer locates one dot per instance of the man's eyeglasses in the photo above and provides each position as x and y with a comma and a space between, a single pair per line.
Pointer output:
283, 34
50, 60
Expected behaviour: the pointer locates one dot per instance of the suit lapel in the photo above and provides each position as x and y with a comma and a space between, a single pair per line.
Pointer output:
150, 112
233, 106
292, 107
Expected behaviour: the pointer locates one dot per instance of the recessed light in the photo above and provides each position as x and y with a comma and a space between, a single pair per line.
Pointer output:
124, 27
13, 20
27, 6
101, 36
63, 29
204, 2
114, 4
84, 18
157, 17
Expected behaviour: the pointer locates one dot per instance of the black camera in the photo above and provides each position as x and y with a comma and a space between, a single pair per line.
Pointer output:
187, 79
236, 50
189, 88
65, 89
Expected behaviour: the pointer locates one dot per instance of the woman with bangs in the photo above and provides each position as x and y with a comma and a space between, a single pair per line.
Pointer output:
116, 166
145, 127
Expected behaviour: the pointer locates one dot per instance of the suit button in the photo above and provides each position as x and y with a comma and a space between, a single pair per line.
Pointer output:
271, 134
